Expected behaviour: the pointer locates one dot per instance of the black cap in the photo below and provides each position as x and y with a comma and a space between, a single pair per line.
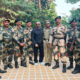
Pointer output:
17, 20
28, 21
58, 17
73, 20
6, 20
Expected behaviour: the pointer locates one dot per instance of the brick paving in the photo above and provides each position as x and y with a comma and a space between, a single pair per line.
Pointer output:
39, 72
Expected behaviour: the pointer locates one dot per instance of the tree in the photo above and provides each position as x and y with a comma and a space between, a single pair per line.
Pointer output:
26, 10
75, 14
72, 1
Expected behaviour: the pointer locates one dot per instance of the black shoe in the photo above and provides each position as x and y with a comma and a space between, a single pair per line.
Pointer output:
46, 64
30, 58
30, 62
70, 66
5, 67
22, 63
64, 68
10, 66
56, 66
16, 64
76, 69
25, 65
2, 71
0, 77
49, 64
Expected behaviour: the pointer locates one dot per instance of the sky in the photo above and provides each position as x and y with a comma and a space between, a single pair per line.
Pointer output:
63, 8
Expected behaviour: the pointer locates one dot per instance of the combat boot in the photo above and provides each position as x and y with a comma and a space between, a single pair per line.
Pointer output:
46, 64
10, 66
30, 61
49, 64
5, 67
30, 58
0, 77
25, 65
22, 63
16, 64
64, 68
57, 65
70, 66
76, 69
2, 71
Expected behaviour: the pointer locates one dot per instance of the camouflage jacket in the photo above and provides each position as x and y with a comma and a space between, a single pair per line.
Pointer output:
1, 35
77, 38
58, 36
7, 35
18, 35
71, 34
27, 34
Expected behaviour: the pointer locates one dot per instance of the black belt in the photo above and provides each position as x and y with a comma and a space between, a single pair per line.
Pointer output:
1, 40
46, 39
58, 38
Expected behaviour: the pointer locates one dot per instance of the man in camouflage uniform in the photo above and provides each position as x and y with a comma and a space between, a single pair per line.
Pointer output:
77, 52
7, 36
2, 50
70, 45
58, 38
47, 49
29, 47
18, 36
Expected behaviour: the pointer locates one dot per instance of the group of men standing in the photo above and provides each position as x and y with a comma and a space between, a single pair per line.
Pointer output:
15, 42
21, 41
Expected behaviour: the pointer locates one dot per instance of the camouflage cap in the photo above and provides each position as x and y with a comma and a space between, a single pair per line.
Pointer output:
17, 19
6, 20
28, 21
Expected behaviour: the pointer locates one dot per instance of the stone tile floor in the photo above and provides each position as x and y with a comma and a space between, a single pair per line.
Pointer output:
39, 72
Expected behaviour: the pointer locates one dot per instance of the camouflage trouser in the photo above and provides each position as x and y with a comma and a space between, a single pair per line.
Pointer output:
16, 52
47, 52
29, 48
61, 50
2, 55
9, 53
77, 55
70, 53
20, 52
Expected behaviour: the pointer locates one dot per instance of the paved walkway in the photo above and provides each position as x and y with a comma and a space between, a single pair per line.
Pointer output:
39, 72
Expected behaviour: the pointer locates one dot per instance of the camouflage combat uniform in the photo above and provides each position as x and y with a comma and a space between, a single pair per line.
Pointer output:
18, 36
71, 37
1, 45
77, 52
58, 38
2, 49
8, 43
29, 45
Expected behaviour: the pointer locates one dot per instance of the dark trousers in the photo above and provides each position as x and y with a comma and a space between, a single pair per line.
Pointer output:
71, 57
41, 55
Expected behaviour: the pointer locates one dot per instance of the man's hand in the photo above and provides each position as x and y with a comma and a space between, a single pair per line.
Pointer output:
22, 44
66, 44
50, 45
71, 48
36, 45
